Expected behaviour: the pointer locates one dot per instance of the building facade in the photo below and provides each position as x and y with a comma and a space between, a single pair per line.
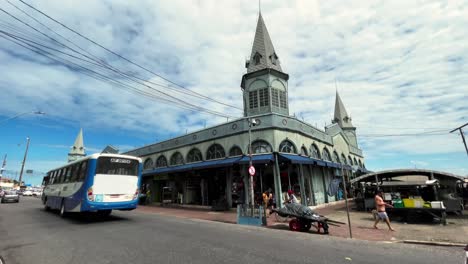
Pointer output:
210, 166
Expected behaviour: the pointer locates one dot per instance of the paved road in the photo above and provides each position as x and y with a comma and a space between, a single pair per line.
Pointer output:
28, 234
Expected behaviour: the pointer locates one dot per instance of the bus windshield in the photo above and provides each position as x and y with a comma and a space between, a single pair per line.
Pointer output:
117, 166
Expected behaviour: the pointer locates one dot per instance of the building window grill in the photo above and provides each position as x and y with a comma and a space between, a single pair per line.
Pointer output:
161, 162
326, 154
314, 152
194, 155
216, 151
177, 159
235, 151
148, 164
287, 147
264, 97
282, 99
253, 99
336, 158
344, 159
274, 97
261, 146
257, 58
304, 151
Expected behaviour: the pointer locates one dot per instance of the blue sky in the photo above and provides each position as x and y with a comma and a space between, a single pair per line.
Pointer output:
400, 68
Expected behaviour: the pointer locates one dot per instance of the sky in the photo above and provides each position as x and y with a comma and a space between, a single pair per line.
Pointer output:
399, 66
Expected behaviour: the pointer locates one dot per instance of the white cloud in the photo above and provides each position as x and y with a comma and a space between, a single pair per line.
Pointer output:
399, 64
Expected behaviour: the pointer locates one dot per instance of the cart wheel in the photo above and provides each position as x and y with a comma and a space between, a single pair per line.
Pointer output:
305, 225
294, 225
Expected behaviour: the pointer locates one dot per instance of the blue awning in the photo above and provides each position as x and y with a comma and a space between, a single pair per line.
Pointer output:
333, 164
296, 159
259, 158
194, 166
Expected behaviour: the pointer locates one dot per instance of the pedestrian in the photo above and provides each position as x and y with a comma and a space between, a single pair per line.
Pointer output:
291, 197
148, 195
267, 200
380, 207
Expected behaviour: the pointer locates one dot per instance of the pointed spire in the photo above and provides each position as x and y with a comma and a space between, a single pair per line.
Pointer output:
77, 150
341, 116
263, 54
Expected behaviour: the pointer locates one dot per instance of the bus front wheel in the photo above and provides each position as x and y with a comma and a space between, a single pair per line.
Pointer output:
63, 213
46, 207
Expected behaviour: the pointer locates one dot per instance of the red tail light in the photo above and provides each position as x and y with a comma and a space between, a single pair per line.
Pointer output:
136, 194
90, 194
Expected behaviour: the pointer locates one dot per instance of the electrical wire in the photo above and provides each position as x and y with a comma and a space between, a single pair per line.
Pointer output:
124, 58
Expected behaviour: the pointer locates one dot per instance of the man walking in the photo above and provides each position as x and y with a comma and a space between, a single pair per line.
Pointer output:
380, 206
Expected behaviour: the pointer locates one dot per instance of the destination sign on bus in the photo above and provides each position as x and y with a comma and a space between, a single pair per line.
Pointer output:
116, 160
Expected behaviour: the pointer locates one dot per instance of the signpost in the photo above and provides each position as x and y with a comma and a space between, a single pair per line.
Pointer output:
252, 170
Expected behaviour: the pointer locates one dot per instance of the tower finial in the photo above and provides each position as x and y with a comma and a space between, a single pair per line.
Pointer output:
259, 6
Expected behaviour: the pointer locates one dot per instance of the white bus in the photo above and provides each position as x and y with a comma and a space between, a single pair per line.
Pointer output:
97, 183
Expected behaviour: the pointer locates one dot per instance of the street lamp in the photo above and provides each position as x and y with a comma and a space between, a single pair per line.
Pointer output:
252, 122
22, 114
24, 161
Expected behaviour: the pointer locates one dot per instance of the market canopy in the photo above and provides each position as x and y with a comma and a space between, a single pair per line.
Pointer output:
371, 177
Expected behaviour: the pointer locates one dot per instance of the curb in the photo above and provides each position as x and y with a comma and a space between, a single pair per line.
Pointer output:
434, 243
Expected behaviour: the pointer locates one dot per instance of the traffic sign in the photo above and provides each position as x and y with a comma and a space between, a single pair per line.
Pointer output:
252, 170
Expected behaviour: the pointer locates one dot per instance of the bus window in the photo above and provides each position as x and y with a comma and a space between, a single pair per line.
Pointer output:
45, 181
117, 166
52, 177
83, 169
60, 175
74, 173
67, 174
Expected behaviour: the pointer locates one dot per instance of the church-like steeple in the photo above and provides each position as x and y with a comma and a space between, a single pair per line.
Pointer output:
77, 150
263, 54
341, 116
265, 85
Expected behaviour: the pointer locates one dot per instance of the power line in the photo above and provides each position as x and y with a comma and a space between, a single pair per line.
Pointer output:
428, 133
178, 102
124, 58
102, 65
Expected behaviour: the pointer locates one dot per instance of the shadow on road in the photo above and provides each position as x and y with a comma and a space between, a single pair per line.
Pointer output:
85, 217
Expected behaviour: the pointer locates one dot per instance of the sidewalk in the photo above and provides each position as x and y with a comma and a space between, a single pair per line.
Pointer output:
362, 224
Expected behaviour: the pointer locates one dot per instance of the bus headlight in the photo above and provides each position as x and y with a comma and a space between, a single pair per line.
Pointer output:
136, 194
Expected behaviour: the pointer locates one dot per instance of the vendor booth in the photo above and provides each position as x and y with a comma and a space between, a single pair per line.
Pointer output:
414, 194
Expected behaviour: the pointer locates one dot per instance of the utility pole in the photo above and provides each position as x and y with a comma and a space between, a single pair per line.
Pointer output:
3, 165
462, 135
24, 161
346, 201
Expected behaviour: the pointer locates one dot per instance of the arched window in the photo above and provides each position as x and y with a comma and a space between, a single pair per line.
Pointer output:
194, 155
261, 146
336, 158
315, 153
326, 154
287, 146
350, 160
235, 151
304, 151
148, 164
360, 164
355, 162
344, 159
216, 151
161, 162
177, 159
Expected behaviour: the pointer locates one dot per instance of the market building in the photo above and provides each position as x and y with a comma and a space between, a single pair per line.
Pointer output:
209, 167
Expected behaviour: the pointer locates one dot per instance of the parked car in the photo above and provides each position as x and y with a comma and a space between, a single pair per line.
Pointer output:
27, 193
37, 193
10, 195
